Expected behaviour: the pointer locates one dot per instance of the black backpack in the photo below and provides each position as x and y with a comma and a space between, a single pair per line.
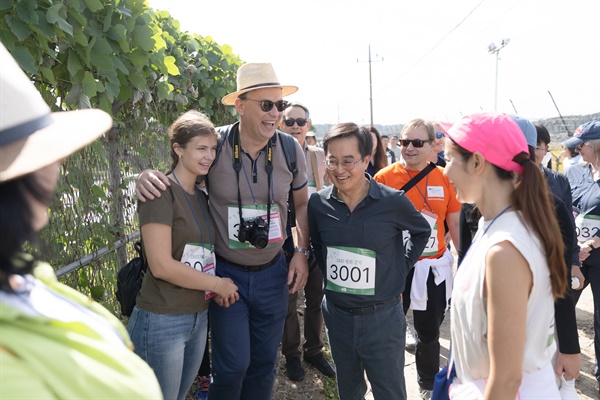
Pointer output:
129, 280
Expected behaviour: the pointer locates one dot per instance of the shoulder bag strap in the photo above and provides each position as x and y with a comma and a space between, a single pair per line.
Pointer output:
418, 177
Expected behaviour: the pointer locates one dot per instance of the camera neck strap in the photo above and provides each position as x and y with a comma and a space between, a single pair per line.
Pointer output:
237, 166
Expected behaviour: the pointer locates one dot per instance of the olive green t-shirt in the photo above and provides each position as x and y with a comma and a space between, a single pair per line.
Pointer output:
160, 296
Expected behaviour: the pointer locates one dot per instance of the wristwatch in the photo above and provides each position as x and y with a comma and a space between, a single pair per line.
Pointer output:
303, 251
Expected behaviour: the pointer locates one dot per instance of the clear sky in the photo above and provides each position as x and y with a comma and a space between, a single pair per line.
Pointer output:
429, 58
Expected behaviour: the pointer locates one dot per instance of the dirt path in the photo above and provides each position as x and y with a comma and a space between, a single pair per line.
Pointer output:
313, 386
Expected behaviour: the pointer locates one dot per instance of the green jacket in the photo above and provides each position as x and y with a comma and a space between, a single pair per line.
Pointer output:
42, 358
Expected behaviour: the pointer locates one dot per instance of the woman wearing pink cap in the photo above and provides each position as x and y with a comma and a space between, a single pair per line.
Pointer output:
503, 297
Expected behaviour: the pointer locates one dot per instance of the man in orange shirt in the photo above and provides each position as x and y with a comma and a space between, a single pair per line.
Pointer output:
434, 196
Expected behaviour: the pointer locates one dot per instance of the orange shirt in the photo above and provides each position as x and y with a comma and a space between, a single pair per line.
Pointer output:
433, 193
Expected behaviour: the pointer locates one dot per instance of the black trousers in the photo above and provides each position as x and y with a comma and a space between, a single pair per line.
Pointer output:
591, 273
427, 326
313, 317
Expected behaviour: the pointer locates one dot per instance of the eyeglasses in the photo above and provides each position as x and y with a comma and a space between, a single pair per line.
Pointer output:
580, 146
346, 164
418, 143
291, 121
267, 105
439, 135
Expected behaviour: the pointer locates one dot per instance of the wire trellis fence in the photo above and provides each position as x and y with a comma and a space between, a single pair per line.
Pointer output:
93, 219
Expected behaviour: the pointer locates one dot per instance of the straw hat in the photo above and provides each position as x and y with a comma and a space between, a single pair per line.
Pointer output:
252, 76
32, 137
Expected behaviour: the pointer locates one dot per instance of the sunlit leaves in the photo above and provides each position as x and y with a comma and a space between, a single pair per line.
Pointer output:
171, 66
159, 42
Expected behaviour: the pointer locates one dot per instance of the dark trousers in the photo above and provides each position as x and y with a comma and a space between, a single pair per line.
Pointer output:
313, 317
372, 343
427, 326
592, 277
245, 336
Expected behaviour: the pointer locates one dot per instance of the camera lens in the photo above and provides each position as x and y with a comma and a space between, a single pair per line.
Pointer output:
259, 235
260, 241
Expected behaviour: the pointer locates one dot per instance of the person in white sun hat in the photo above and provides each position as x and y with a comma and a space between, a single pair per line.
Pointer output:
55, 343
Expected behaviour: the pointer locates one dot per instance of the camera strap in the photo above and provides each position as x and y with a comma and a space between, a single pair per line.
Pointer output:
237, 166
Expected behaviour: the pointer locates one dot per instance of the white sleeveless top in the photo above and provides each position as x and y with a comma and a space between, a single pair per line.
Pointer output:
469, 316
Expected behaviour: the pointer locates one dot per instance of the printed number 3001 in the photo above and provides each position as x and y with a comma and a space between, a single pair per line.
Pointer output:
343, 273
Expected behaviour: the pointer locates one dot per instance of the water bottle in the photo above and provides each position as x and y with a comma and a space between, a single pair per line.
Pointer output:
567, 389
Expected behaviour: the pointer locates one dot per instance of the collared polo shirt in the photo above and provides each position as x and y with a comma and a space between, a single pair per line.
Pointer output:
376, 223
253, 185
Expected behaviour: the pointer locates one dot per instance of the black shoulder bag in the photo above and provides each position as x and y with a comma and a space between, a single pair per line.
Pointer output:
129, 281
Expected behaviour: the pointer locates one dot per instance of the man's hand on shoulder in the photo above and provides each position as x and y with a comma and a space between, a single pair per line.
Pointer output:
149, 184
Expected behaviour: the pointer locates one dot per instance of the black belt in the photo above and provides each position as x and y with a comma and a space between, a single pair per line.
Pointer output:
368, 309
252, 268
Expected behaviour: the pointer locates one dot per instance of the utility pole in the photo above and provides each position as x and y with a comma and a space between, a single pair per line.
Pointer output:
371, 81
495, 49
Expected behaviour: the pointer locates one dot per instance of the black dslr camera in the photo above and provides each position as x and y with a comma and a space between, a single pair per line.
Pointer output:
256, 232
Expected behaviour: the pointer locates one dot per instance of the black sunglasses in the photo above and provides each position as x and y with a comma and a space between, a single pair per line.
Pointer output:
418, 143
291, 121
267, 105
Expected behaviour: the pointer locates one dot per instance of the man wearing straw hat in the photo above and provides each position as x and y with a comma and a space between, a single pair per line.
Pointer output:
248, 186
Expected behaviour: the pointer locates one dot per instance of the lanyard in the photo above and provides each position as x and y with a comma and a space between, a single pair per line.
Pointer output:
421, 193
478, 236
194, 214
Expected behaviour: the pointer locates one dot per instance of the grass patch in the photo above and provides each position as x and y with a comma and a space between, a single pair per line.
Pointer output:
330, 384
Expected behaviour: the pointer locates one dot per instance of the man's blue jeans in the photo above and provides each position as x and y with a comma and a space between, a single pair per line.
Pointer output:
172, 344
245, 337
371, 342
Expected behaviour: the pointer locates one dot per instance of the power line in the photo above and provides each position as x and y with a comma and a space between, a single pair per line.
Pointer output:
436, 45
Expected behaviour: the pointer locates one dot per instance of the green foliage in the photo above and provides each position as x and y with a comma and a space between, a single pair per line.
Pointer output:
136, 64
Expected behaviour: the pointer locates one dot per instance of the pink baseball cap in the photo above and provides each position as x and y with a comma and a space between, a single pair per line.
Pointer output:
496, 136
